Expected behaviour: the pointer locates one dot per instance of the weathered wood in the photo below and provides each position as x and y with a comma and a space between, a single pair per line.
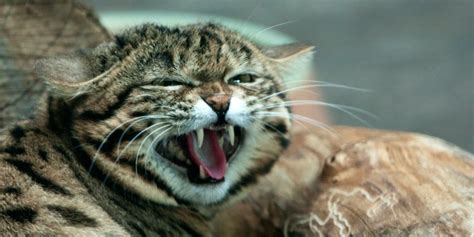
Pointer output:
360, 182
30, 30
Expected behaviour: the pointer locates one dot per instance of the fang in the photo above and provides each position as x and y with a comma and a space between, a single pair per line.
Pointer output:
199, 136
231, 133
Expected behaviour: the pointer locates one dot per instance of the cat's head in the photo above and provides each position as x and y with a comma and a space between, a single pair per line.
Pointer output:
192, 114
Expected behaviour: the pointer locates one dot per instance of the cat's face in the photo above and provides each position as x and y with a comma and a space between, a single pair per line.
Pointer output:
186, 115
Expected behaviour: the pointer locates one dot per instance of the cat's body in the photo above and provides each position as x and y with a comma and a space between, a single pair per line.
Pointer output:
42, 194
45, 189
93, 161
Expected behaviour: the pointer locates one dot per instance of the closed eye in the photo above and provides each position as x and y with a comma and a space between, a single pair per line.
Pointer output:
171, 83
166, 82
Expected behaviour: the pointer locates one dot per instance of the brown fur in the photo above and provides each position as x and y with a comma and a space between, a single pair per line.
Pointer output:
62, 174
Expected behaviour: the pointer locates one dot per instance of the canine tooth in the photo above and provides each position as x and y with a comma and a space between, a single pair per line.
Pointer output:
221, 141
202, 173
200, 136
230, 131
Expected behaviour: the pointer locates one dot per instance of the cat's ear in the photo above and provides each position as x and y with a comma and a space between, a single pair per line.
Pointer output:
290, 58
65, 75
73, 74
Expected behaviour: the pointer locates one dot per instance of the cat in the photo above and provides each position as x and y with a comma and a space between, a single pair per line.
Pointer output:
148, 135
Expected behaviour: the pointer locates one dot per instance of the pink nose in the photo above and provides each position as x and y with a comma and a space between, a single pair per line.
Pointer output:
218, 102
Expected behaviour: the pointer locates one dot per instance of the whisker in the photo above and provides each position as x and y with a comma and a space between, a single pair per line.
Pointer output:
343, 108
301, 123
166, 127
332, 105
302, 118
131, 125
136, 137
274, 26
318, 82
118, 158
310, 92
107, 138
294, 89
169, 127
253, 11
268, 124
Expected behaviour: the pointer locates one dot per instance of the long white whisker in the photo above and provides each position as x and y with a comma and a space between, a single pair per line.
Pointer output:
131, 125
261, 120
107, 138
297, 88
343, 108
268, 124
136, 137
274, 26
310, 92
315, 102
118, 157
166, 127
301, 118
318, 82
252, 12
155, 140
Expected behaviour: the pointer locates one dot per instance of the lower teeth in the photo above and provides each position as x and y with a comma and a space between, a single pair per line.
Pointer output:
202, 173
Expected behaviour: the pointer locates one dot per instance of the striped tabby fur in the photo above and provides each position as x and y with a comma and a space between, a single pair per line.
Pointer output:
85, 165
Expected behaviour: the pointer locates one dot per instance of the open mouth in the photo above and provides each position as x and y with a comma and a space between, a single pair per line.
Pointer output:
204, 153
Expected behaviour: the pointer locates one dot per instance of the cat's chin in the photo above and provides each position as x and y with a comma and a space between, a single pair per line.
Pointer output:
203, 155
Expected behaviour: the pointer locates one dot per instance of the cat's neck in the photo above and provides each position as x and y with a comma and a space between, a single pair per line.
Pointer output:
138, 214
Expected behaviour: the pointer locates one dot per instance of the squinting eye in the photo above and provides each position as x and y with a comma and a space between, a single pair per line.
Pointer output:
242, 78
166, 82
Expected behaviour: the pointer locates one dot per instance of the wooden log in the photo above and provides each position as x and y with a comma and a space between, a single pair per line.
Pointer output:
359, 182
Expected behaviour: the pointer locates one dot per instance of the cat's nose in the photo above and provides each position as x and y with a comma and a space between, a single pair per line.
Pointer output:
220, 104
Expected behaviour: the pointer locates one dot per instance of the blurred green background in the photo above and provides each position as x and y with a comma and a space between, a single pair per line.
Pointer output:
415, 56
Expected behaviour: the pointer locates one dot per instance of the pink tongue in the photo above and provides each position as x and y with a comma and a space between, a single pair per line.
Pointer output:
210, 155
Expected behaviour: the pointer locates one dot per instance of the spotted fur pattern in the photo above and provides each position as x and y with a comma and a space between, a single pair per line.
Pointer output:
86, 164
